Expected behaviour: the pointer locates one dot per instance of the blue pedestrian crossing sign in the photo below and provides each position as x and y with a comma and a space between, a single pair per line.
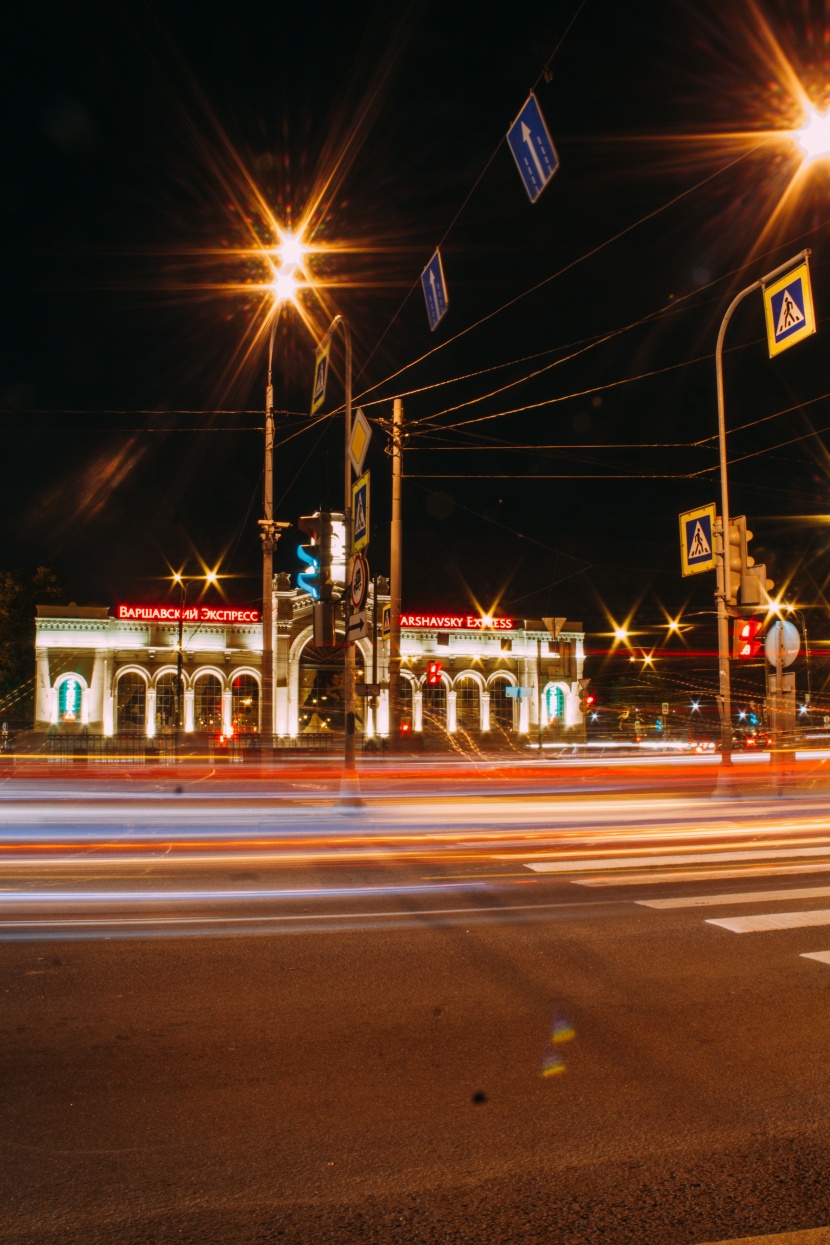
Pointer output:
321, 373
533, 149
697, 540
435, 291
360, 513
788, 309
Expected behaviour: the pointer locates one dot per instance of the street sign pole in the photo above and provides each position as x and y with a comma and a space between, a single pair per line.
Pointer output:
395, 554
722, 594
349, 785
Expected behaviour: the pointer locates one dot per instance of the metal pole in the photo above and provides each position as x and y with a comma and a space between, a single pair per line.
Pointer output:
539, 696
349, 706
182, 601
395, 578
267, 533
721, 594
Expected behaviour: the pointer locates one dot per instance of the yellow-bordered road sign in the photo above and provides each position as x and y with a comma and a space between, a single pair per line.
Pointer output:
359, 439
321, 374
788, 309
697, 540
360, 513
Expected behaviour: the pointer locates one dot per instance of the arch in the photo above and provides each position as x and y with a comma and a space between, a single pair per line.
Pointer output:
131, 700
203, 671
475, 675
505, 676
159, 674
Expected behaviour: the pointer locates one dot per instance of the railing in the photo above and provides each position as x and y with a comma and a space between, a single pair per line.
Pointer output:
110, 749
245, 748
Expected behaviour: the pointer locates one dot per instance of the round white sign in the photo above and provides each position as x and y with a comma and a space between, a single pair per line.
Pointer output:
359, 583
784, 635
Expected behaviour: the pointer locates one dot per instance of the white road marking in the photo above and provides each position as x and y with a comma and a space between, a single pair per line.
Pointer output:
772, 920
715, 901
690, 858
823, 956
699, 875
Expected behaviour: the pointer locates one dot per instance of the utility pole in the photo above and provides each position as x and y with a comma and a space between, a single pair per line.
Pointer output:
395, 578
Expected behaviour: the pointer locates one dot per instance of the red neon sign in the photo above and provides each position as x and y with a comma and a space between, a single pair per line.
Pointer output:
456, 622
192, 613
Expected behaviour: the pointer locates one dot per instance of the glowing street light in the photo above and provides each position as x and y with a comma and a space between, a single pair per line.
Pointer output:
291, 250
620, 634
814, 136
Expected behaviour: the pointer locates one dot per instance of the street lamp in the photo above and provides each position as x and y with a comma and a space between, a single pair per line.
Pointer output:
722, 593
284, 289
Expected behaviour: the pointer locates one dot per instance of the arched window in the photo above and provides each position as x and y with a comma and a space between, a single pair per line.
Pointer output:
406, 702
130, 703
502, 706
245, 705
70, 696
207, 703
467, 707
555, 705
166, 704
322, 673
434, 706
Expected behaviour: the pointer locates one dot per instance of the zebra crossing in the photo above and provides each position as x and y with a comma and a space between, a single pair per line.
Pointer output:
758, 863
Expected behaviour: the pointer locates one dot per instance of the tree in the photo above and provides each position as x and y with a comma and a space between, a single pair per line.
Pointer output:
20, 593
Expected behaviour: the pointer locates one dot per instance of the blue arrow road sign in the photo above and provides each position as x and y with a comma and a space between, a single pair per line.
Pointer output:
533, 148
435, 291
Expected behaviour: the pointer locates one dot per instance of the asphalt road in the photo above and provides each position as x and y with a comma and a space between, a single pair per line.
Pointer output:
447, 1023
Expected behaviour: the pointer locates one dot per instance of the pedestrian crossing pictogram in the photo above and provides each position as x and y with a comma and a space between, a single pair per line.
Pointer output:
700, 547
790, 315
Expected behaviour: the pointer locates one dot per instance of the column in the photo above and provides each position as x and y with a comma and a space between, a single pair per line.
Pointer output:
189, 723
294, 697
43, 688
524, 714
227, 717
452, 717
383, 712
150, 713
417, 711
484, 710
97, 689
109, 703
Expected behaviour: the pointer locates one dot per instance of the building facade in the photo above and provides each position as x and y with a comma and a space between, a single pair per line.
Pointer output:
114, 672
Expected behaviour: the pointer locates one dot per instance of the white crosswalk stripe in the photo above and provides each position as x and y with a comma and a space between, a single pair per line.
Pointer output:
718, 901
772, 920
588, 864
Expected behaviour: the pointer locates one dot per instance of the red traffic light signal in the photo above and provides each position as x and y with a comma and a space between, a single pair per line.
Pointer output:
586, 702
434, 669
745, 643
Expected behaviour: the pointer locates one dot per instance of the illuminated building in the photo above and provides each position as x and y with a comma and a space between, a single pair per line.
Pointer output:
113, 671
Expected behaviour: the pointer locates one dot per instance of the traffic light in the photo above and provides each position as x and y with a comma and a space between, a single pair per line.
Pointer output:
587, 700
745, 644
434, 669
316, 554
746, 583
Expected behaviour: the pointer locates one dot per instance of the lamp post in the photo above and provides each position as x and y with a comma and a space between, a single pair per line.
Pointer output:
722, 591
270, 532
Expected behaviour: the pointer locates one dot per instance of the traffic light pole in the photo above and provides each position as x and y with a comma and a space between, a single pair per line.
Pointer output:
349, 786
722, 593
394, 672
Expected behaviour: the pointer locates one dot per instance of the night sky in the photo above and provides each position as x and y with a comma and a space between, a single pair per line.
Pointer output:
148, 152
